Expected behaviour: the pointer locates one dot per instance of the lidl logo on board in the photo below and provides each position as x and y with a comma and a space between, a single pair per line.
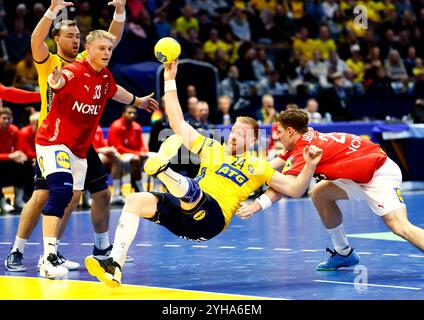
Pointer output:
62, 160
232, 173
199, 215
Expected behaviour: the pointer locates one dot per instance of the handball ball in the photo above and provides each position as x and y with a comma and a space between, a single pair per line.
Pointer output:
167, 50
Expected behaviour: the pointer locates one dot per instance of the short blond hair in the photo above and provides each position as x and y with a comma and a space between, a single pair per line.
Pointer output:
252, 122
99, 34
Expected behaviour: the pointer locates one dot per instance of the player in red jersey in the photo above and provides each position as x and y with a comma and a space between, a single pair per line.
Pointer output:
351, 168
65, 135
16, 95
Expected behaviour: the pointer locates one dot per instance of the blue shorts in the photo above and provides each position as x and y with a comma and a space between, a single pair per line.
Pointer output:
201, 223
95, 180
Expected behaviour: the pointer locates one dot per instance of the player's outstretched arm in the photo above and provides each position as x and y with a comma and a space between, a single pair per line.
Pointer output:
173, 107
39, 48
296, 186
16, 95
147, 102
118, 23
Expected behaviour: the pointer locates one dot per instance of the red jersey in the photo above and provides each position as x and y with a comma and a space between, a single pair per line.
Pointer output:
9, 142
345, 156
99, 139
15, 95
27, 141
126, 138
77, 107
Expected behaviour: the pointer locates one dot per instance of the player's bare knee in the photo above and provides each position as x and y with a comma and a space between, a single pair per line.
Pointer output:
142, 204
39, 199
102, 196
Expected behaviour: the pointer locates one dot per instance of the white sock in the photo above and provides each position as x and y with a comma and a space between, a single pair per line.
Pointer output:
101, 240
19, 244
124, 236
176, 184
116, 187
340, 242
49, 246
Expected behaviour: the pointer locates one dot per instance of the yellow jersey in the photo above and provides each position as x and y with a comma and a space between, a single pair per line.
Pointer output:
44, 68
226, 178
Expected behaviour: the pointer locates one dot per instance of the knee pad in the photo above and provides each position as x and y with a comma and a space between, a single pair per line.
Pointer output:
193, 192
60, 193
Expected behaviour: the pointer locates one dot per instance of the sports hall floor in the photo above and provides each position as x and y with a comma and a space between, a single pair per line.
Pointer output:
273, 255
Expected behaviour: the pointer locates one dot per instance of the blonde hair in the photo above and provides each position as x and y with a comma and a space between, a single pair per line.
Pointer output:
252, 122
99, 34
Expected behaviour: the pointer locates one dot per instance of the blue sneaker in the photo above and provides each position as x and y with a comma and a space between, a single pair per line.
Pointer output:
337, 261
104, 254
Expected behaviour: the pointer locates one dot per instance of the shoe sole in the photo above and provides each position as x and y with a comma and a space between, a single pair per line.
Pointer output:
168, 149
23, 269
95, 269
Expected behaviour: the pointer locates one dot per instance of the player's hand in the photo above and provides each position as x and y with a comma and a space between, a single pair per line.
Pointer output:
147, 103
118, 4
18, 156
57, 5
245, 211
312, 154
56, 75
170, 72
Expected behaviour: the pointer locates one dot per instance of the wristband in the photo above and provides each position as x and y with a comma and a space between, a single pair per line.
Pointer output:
264, 201
170, 85
57, 85
133, 100
119, 17
50, 14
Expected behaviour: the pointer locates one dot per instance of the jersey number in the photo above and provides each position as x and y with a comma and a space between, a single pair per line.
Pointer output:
338, 137
97, 92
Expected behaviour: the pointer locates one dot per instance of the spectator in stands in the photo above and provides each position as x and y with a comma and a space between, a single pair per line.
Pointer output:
224, 116
163, 27
186, 21
125, 134
15, 170
240, 25
202, 114
318, 70
409, 61
372, 64
335, 100
191, 115
247, 54
311, 109
356, 64
305, 45
84, 18
26, 76
213, 44
267, 111
329, 7
396, 71
380, 83
324, 43
18, 42
27, 137
284, 27
335, 64
262, 66
191, 91
271, 85
111, 160
230, 86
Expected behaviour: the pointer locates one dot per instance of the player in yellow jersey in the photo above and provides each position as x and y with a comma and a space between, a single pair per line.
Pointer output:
67, 38
201, 208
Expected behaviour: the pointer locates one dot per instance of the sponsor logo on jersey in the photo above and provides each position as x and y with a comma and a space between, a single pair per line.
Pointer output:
232, 173
41, 164
288, 165
399, 195
199, 215
62, 159
86, 108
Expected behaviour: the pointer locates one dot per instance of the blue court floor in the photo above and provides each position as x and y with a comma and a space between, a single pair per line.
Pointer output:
271, 255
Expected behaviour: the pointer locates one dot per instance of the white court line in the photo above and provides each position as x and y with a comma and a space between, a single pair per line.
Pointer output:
143, 245
415, 256
198, 246
172, 245
33, 243
282, 249
254, 248
368, 284
364, 253
310, 250
63, 244
391, 254
87, 244
5, 243
226, 247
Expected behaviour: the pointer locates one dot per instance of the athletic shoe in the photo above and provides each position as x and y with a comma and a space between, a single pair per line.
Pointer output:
13, 263
51, 268
105, 270
117, 200
104, 254
68, 264
168, 149
336, 260
5, 207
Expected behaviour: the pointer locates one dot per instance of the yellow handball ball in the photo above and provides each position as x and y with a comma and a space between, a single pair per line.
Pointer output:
167, 50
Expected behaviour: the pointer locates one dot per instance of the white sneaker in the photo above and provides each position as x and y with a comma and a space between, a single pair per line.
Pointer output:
50, 268
68, 264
